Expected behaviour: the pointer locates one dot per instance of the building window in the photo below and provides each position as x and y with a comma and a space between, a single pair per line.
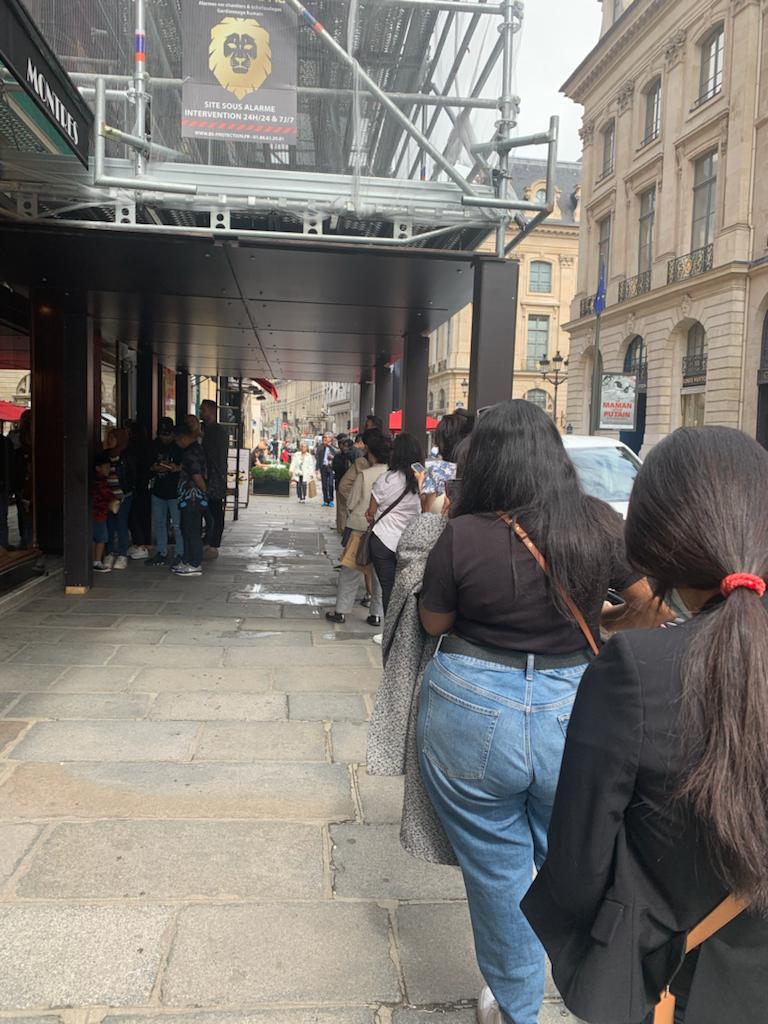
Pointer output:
711, 78
441, 399
609, 149
704, 193
604, 245
647, 220
636, 362
539, 397
693, 395
538, 340
431, 401
541, 277
652, 112
541, 195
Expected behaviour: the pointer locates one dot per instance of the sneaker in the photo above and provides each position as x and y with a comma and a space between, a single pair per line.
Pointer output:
138, 551
178, 560
157, 559
374, 620
366, 602
101, 567
488, 1010
109, 561
336, 617
121, 562
188, 570
378, 639
331, 505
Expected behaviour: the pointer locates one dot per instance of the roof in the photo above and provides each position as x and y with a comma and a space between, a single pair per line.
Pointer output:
525, 172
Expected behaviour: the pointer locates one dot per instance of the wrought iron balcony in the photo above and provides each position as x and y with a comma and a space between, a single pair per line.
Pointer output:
631, 287
694, 371
587, 307
697, 262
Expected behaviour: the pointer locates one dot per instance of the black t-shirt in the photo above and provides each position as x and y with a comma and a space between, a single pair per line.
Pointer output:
480, 570
166, 485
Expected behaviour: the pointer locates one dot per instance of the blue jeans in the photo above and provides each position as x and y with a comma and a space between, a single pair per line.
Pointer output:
161, 509
117, 524
491, 741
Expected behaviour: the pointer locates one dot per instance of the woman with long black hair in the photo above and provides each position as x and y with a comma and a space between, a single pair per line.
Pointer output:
497, 695
395, 503
662, 812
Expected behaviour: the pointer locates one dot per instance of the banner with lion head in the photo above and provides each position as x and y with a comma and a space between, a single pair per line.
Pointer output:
239, 69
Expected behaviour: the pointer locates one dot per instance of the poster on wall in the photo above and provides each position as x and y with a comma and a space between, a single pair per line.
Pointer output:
618, 401
239, 68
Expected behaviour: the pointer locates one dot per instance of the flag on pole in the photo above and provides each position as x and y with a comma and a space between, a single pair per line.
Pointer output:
600, 296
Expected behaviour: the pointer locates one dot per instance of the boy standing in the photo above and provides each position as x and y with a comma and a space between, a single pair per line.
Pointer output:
193, 500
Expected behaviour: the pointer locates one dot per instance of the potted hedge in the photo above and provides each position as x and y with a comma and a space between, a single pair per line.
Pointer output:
271, 480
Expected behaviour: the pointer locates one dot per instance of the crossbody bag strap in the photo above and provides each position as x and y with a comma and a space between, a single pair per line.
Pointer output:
388, 510
722, 915
570, 604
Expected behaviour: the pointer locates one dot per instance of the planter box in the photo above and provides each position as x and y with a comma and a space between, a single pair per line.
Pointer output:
270, 482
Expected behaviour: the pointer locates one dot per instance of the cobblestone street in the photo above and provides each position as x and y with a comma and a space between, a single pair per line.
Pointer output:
187, 830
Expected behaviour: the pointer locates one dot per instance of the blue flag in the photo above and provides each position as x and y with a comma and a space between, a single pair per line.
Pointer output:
600, 296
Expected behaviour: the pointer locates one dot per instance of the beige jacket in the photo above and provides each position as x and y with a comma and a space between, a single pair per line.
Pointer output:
360, 498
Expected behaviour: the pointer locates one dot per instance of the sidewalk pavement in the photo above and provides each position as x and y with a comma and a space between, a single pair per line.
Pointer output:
187, 830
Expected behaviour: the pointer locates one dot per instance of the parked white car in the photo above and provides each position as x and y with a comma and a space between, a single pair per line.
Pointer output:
606, 468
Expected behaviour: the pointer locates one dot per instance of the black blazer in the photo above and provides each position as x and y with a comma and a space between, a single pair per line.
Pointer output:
320, 455
628, 874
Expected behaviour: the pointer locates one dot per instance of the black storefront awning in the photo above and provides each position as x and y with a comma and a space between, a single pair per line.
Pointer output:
33, 64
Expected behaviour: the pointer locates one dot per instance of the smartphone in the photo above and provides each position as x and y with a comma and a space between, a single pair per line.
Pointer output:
417, 467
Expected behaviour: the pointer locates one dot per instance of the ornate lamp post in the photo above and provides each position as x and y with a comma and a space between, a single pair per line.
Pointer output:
555, 376
464, 385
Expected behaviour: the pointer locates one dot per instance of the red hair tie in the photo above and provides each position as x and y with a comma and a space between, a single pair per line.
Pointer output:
742, 579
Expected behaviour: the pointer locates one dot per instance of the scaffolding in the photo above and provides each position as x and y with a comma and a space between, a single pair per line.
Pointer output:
392, 97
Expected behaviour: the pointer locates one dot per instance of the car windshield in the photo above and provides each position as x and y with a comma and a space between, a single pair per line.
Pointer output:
606, 473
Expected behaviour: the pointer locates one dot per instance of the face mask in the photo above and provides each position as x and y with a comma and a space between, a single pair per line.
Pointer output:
673, 600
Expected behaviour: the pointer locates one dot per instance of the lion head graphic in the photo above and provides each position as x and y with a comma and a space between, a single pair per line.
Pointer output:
240, 56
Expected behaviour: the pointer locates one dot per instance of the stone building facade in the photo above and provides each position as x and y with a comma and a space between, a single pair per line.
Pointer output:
548, 260
310, 407
675, 133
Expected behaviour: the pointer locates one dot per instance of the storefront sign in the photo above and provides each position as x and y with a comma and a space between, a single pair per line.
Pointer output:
618, 401
37, 70
239, 68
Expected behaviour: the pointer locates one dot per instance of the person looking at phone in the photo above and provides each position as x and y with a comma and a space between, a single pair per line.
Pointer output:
164, 482
395, 503
451, 431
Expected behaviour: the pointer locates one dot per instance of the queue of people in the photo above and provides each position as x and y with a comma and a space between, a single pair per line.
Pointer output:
630, 775
181, 477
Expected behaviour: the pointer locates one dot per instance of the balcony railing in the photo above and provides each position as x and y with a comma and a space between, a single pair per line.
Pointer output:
697, 262
694, 371
708, 93
631, 287
652, 136
587, 307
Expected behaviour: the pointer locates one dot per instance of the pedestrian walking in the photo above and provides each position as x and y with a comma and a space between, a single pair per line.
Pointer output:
324, 455
165, 468
496, 697
216, 448
661, 812
394, 504
302, 470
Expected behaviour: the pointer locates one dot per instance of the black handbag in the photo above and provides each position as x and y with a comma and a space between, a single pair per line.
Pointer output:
363, 556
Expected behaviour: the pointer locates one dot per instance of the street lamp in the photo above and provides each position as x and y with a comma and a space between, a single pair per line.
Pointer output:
464, 385
555, 376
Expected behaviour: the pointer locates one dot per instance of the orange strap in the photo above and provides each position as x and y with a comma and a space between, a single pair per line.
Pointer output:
581, 622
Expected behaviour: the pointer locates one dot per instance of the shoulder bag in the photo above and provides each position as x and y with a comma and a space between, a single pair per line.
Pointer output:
728, 910
363, 556
570, 604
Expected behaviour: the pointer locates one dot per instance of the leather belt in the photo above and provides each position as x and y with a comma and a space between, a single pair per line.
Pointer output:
511, 659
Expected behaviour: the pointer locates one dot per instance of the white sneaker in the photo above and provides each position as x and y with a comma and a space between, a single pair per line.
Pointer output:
378, 639
101, 567
108, 561
138, 551
187, 570
121, 562
488, 1010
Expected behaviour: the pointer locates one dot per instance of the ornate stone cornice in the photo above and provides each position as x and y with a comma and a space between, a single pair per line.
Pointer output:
625, 96
587, 133
675, 48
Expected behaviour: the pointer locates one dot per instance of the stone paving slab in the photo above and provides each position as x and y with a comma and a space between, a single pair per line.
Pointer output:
107, 741
31, 1020
318, 952
176, 860
52, 955
463, 1016
9, 636
170, 656
255, 641
315, 658
80, 679
65, 654
327, 707
94, 621
299, 1016
381, 797
10, 648
205, 706
369, 863
89, 634
150, 790
166, 622
82, 705
348, 742
437, 953
15, 841
251, 622
319, 679
263, 741
18, 678
222, 609
9, 730
105, 606
170, 680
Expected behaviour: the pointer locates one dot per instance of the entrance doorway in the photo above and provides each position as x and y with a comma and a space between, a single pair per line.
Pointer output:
762, 389
636, 362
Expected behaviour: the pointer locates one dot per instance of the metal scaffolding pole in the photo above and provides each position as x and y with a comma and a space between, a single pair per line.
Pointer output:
507, 119
139, 84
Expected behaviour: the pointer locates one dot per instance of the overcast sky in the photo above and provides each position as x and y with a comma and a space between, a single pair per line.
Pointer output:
556, 36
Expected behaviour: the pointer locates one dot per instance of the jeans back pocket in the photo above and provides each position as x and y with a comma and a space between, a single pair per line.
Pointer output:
457, 734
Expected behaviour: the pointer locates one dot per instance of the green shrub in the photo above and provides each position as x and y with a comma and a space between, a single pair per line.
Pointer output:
278, 474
